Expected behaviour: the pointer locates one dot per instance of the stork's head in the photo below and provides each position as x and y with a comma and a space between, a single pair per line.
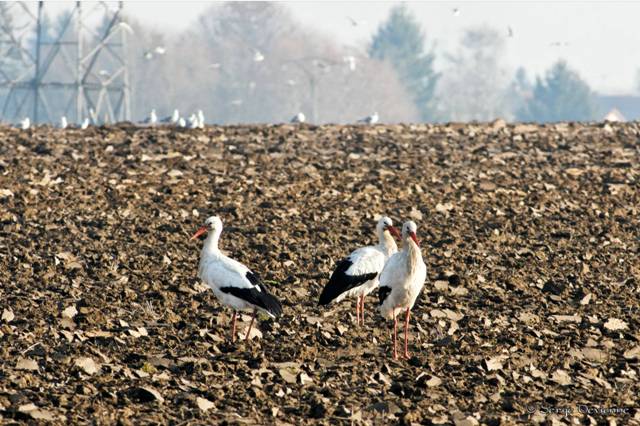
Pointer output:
409, 229
212, 224
386, 224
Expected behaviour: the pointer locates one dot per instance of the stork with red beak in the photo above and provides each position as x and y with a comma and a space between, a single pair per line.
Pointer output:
233, 284
401, 281
357, 274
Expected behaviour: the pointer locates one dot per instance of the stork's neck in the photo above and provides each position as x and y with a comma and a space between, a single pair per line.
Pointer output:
387, 244
413, 254
210, 246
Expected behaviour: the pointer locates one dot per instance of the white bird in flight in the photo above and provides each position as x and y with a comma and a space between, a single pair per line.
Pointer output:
258, 56
351, 62
232, 283
355, 22
357, 274
401, 282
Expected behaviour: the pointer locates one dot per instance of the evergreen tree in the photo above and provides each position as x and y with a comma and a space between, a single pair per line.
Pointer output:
561, 96
519, 91
401, 41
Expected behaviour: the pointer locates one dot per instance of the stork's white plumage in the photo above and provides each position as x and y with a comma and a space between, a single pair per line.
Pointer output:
85, 124
401, 281
357, 274
233, 284
63, 122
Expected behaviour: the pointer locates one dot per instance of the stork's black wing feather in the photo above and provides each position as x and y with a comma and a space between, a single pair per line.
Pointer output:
383, 293
341, 282
256, 295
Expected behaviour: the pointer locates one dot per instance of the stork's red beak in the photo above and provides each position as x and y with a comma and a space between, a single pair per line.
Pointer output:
394, 231
200, 231
414, 238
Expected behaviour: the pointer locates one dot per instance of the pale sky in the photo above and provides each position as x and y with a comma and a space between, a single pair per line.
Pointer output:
600, 39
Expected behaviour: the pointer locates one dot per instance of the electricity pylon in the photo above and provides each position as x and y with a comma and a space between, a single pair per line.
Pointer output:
79, 72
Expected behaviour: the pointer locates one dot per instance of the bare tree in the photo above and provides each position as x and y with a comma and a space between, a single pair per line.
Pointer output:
474, 85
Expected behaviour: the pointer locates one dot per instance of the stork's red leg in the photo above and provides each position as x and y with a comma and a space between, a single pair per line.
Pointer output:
251, 325
395, 335
362, 309
406, 333
358, 311
233, 327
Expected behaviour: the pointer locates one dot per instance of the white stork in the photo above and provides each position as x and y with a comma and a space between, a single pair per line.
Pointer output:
233, 284
401, 281
357, 274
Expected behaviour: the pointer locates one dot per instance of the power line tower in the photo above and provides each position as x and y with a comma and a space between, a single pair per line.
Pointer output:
76, 68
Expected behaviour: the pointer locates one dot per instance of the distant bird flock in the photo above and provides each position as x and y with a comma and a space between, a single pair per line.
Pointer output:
194, 121
397, 275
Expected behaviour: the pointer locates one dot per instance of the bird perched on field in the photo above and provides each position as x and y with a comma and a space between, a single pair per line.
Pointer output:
357, 274
152, 119
371, 119
25, 123
193, 122
171, 119
298, 118
85, 123
200, 116
233, 284
401, 281
63, 122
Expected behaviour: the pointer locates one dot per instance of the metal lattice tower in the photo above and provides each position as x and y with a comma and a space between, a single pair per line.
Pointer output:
79, 72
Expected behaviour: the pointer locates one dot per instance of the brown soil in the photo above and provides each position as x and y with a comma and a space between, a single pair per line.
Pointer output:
530, 234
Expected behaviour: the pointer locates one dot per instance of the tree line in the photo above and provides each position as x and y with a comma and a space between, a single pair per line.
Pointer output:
252, 62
